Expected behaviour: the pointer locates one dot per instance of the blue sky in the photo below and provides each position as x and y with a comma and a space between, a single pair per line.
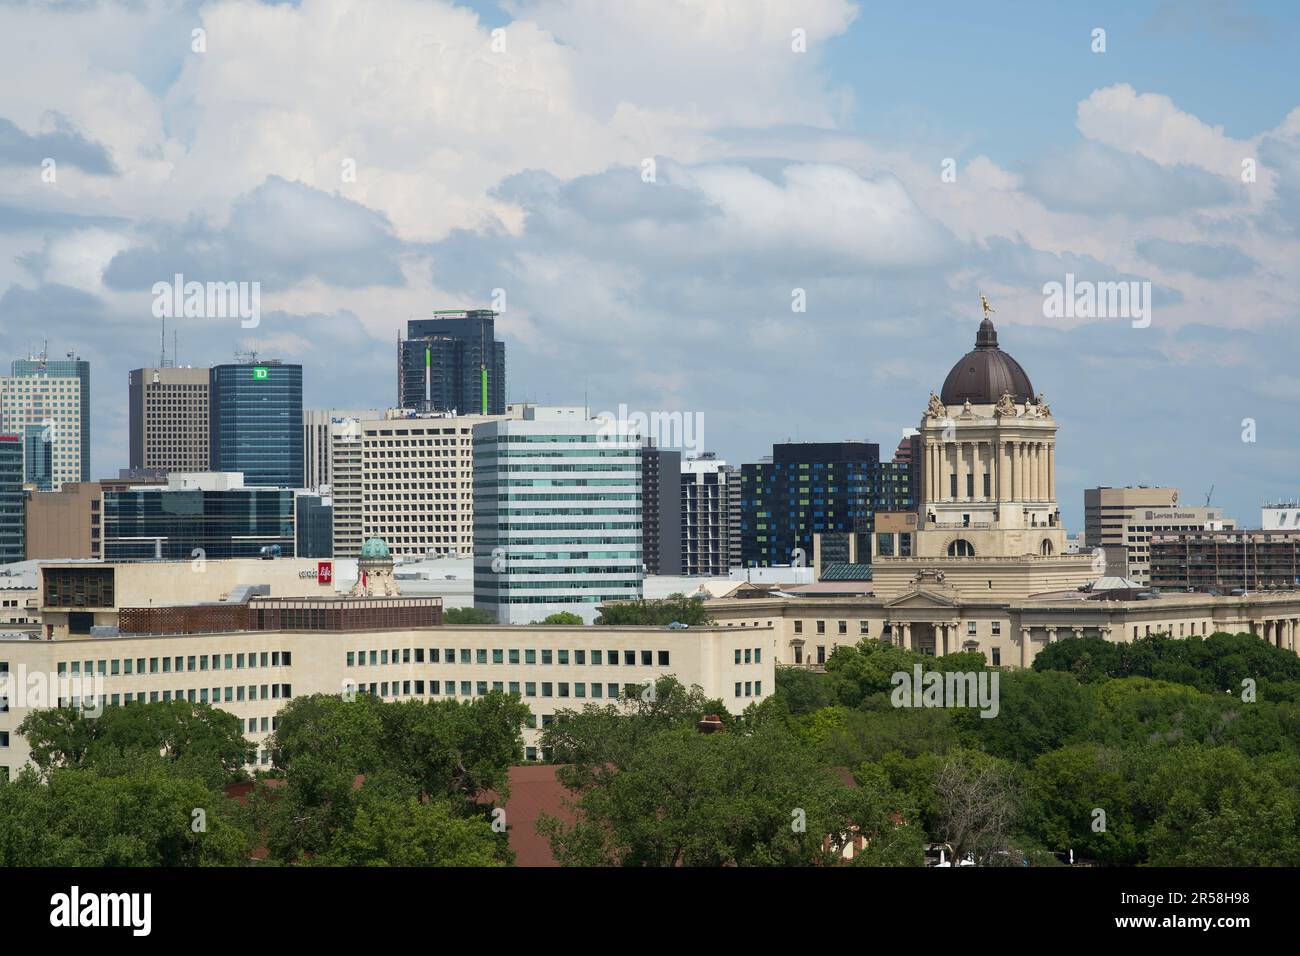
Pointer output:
515, 162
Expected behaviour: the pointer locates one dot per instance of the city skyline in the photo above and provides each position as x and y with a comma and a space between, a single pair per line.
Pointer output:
824, 175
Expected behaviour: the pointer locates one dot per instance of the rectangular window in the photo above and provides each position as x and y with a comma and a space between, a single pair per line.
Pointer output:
480, 656
595, 658
821, 627
564, 657
663, 658
530, 657
580, 657
530, 688
514, 656
629, 658
546, 688
997, 656
798, 627
546, 657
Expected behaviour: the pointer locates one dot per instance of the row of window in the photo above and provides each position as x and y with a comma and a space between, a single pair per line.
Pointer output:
438, 655
548, 689
752, 689
179, 664
751, 657
201, 695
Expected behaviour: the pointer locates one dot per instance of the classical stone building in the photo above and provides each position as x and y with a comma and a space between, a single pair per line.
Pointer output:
988, 517
985, 567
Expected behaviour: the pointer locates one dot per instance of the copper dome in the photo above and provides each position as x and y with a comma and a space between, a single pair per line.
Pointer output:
983, 375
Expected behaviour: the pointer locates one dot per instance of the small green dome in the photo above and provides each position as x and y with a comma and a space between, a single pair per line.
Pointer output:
375, 548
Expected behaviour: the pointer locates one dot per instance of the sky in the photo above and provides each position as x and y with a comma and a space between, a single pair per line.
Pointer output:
650, 190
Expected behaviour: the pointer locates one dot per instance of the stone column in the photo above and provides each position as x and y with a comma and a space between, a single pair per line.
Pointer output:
1051, 471
1014, 455
1038, 471
1051, 635
1024, 647
961, 470
907, 637
1076, 630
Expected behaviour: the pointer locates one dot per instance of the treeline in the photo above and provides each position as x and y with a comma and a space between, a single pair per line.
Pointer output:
1162, 752
353, 782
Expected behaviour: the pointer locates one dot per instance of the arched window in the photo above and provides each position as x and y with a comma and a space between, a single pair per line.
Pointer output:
1046, 547
961, 548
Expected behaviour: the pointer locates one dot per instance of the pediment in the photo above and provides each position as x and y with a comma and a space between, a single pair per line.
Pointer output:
923, 597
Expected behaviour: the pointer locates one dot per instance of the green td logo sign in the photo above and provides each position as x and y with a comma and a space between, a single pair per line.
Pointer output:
259, 373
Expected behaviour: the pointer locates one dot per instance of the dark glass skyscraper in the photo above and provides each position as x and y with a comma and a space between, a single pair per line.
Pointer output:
256, 422
452, 362
815, 487
171, 524
12, 507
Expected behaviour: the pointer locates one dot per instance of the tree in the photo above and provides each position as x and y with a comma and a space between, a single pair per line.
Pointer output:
467, 615
389, 831
655, 613
338, 757
598, 740
747, 796
194, 740
977, 801
1037, 712
77, 817
565, 618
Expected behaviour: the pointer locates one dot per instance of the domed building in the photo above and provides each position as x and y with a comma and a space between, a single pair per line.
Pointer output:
375, 571
987, 517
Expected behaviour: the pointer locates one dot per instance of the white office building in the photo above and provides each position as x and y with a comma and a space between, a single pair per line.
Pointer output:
557, 514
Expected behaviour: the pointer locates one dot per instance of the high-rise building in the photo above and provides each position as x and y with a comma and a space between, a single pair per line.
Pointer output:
38, 456
313, 526
408, 479
815, 487
316, 451
661, 505
47, 404
557, 515
12, 519
1121, 522
710, 489
71, 451
169, 412
1226, 560
452, 363
211, 515
256, 422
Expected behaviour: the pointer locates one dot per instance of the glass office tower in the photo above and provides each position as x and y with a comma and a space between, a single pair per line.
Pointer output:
143, 523
12, 507
815, 487
256, 422
452, 362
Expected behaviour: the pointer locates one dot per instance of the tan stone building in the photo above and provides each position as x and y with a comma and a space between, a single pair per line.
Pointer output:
984, 566
408, 480
169, 411
67, 523
250, 654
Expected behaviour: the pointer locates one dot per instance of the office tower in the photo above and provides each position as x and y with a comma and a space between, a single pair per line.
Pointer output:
12, 518
815, 487
909, 453
452, 363
661, 505
313, 526
316, 453
1121, 522
211, 513
38, 456
408, 479
47, 404
710, 488
256, 422
71, 451
169, 418
557, 515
